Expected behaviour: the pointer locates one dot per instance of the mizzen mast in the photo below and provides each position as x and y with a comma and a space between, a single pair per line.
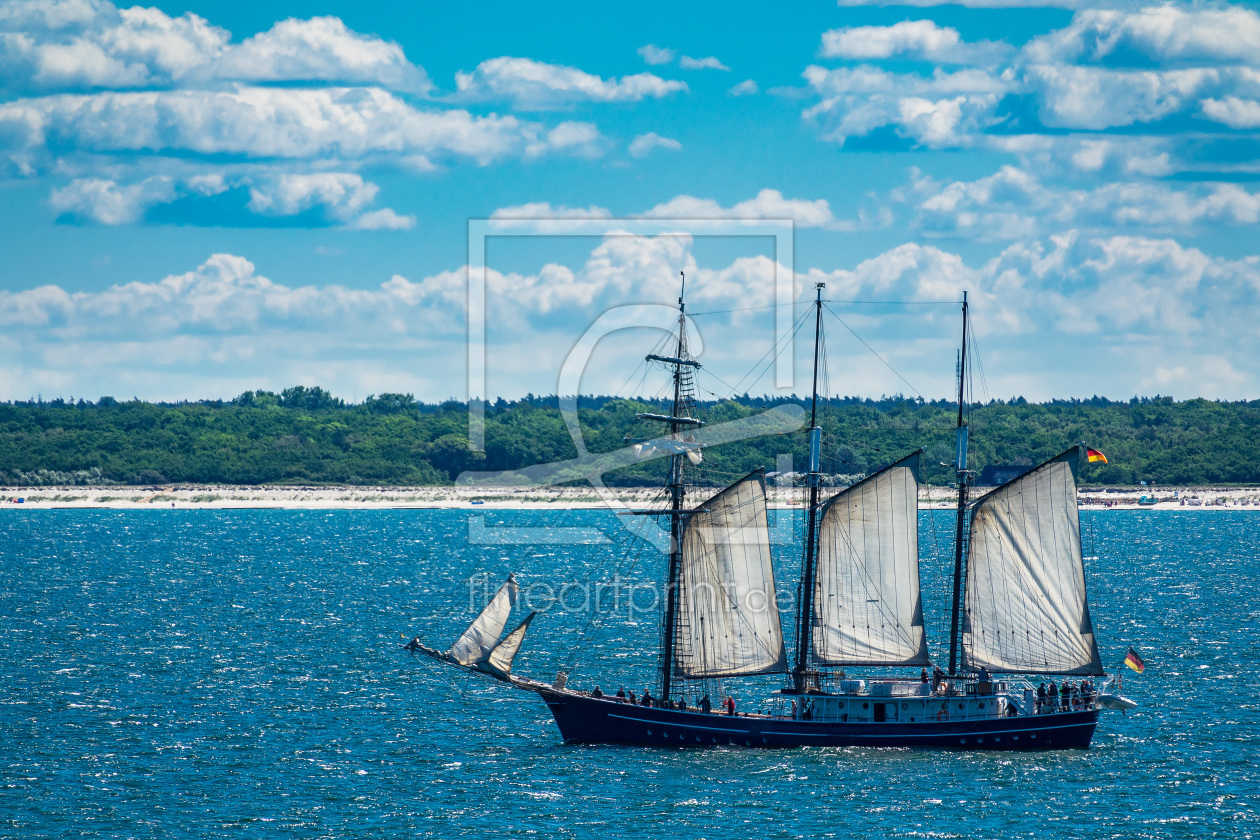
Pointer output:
803, 635
960, 465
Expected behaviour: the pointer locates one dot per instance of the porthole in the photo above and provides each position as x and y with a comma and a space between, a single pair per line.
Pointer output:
649, 731
963, 742
961, 706
664, 734
905, 706
997, 737
979, 740
866, 705
1014, 737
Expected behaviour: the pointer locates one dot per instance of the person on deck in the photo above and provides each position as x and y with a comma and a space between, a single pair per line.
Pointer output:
621, 693
1052, 697
923, 677
1041, 697
730, 706
706, 705
937, 677
631, 699
984, 675
647, 698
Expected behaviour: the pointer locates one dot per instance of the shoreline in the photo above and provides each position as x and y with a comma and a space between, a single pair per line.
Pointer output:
219, 497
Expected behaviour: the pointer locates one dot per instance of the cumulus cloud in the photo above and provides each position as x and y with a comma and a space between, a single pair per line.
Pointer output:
707, 63
940, 111
298, 123
1124, 66
921, 40
531, 84
1166, 33
654, 55
1233, 111
1014, 204
748, 87
97, 45
643, 145
768, 204
338, 197
1140, 308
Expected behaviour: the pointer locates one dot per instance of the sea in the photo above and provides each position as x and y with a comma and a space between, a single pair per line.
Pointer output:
219, 674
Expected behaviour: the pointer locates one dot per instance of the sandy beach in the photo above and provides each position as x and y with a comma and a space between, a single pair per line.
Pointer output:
245, 497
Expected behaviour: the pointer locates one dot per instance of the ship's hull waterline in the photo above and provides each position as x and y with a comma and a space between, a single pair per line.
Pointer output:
587, 720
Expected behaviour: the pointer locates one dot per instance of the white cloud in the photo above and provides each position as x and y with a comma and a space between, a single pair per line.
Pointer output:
1132, 309
768, 204
707, 63
544, 210
346, 123
1094, 98
342, 195
339, 197
920, 40
748, 87
535, 84
98, 45
643, 145
1233, 111
1123, 66
383, 219
106, 202
654, 55
1014, 204
324, 49
578, 139
1165, 33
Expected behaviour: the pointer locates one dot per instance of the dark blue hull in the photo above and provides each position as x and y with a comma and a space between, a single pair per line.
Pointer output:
588, 720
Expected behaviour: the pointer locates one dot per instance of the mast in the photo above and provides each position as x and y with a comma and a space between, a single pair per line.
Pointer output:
961, 470
676, 420
803, 637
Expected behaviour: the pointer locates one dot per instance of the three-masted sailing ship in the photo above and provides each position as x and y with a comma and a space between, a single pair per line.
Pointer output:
1019, 611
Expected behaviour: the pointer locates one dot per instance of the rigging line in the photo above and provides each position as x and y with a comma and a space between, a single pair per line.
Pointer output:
772, 354
975, 357
873, 351
825, 300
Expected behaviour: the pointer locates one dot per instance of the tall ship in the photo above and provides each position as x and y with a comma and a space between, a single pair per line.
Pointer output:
1019, 611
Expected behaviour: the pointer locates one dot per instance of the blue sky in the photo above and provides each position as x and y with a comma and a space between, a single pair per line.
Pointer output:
203, 198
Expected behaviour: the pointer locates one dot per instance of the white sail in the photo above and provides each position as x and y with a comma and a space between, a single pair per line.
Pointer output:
482, 635
499, 660
727, 621
1027, 610
867, 605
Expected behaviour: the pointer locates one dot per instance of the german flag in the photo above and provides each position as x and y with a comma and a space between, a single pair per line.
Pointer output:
1093, 455
1134, 661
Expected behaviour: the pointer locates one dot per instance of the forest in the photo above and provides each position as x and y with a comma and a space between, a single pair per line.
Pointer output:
307, 436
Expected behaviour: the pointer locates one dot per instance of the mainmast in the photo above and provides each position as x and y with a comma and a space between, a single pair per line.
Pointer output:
803, 637
678, 419
961, 470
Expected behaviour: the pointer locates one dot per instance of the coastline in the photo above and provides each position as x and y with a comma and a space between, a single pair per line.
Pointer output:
219, 497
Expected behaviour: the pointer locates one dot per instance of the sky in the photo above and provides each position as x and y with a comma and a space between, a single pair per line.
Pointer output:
205, 198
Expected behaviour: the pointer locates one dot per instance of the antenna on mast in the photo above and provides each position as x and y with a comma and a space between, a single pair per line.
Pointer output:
682, 291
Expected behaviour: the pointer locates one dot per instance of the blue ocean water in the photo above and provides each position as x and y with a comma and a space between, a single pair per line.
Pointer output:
239, 674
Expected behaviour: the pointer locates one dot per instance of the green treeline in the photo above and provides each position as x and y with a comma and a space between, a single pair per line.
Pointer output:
307, 436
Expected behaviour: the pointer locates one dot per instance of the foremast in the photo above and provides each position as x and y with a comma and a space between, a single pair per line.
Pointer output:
680, 418
803, 636
960, 466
